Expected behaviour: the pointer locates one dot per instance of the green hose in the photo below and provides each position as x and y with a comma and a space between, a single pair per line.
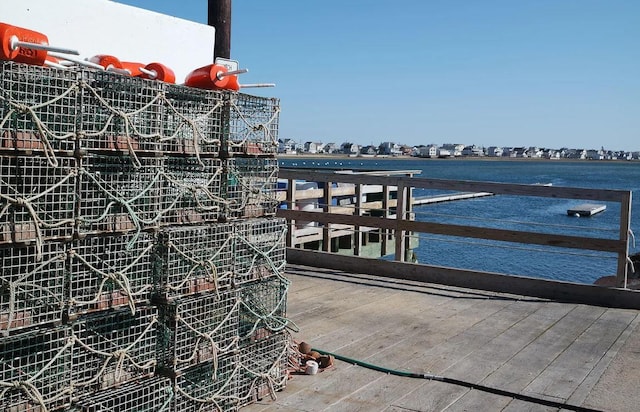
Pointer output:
466, 384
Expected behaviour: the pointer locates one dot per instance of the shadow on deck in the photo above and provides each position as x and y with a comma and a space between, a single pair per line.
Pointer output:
588, 356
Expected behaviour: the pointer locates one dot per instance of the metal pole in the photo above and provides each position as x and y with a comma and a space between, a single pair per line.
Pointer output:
219, 16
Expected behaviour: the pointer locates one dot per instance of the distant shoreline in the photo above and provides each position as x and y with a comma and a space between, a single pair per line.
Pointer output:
459, 158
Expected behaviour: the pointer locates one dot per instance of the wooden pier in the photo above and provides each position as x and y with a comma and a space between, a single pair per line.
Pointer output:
581, 355
425, 200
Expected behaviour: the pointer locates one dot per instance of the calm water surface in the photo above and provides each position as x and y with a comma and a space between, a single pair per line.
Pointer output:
513, 212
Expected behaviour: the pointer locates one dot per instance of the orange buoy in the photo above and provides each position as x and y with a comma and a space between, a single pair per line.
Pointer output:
107, 61
133, 68
158, 71
207, 77
233, 83
15, 45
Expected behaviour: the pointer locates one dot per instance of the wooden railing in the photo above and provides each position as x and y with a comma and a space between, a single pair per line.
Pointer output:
397, 216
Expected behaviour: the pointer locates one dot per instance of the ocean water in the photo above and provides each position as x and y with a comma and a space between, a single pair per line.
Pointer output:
543, 215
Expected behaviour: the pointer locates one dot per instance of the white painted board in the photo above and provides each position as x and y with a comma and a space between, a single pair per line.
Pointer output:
105, 27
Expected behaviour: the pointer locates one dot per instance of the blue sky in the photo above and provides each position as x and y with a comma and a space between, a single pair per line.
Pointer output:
551, 73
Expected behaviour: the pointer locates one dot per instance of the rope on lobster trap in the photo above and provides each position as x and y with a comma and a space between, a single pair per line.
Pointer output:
251, 127
206, 264
28, 387
118, 277
44, 132
15, 284
27, 203
120, 355
209, 337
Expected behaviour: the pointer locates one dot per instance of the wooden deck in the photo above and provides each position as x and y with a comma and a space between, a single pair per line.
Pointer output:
583, 355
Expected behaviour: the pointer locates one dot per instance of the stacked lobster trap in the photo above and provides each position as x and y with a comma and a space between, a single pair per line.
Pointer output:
142, 267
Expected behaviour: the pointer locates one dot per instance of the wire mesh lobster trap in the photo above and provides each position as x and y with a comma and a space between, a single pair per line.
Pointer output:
197, 329
35, 370
193, 259
264, 308
192, 121
251, 187
31, 286
208, 387
37, 201
119, 113
259, 249
253, 125
108, 272
38, 107
144, 395
117, 195
192, 190
265, 367
112, 348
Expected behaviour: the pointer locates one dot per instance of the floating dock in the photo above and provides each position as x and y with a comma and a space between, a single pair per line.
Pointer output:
425, 200
585, 210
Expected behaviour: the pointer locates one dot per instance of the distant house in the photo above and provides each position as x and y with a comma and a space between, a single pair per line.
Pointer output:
331, 148
389, 149
369, 150
534, 152
593, 154
428, 151
455, 148
576, 154
351, 149
520, 152
313, 147
494, 151
286, 146
550, 154
472, 151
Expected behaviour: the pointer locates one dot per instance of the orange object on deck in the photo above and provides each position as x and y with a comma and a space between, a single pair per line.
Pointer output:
107, 61
162, 73
207, 78
133, 68
9, 35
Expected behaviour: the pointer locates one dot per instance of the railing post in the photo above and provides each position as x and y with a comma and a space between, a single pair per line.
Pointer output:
625, 227
326, 230
357, 238
384, 233
399, 233
291, 203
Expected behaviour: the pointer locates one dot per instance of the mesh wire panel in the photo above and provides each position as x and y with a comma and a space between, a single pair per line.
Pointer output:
113, 348
35, 370
251, 187
191, 190
116, 195
264, 367
31, 290
120, 113
253, 125
109, 271
37, 200
38, 107
208, 387
192, 120
145, 395
197, 329
264, 308
193, 259
259, 249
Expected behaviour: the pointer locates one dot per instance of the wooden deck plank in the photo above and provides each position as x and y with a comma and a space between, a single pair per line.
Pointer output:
545, 349
563, 376
542, 350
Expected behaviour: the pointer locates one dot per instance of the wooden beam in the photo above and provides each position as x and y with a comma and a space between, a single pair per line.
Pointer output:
219, 16
495, 282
